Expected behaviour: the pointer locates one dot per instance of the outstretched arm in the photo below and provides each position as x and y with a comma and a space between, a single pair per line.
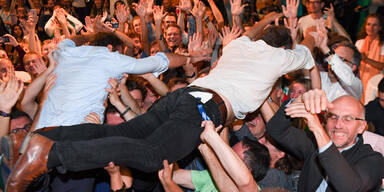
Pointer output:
259, 27
231, 162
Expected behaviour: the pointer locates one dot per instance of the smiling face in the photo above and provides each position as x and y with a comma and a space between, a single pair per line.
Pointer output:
372, 26
343, 133
173, 36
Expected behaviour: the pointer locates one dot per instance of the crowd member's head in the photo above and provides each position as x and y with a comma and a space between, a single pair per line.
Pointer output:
172, 36
4, 4
373, 27
107, 40
49, 4
138, 47
169, 18
137, 91
381, 92
112, 115
176, 83
21, 13
277, 36
345, 120
6, 69
136, 23
255, 156
34, 64
17, 32
255, 124
350, 55
155, 48
298, 87
20, 121
314, 6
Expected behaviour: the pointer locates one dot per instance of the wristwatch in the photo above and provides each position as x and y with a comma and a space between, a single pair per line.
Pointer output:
331, 52
4, 114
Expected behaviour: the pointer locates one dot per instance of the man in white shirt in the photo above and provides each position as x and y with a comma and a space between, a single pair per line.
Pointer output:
315, 13
171, 129
341, 78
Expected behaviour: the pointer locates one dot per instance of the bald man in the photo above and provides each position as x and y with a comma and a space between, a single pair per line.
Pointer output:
6, 69
339, 160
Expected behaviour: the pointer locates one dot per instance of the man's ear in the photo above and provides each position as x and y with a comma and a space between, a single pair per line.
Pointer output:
110, 47
362, 126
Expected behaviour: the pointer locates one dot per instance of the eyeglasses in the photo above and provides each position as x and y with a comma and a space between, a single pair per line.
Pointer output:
347, 61
346, 118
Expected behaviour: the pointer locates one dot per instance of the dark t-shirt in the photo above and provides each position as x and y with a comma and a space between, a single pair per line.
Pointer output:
374, 113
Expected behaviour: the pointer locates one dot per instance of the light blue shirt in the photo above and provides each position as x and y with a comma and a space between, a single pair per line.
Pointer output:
82, 75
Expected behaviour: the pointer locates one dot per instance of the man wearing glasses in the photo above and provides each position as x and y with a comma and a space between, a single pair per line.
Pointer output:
343, 64
338, 161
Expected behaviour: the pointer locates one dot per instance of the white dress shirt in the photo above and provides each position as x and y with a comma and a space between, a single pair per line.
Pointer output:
248, 69
82, 75
347, 84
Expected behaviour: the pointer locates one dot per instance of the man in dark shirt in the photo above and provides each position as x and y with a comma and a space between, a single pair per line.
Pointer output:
375, 110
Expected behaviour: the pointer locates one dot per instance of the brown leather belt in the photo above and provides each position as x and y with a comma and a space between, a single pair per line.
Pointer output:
218, 100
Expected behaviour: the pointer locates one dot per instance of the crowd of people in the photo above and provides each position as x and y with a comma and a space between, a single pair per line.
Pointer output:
203, 95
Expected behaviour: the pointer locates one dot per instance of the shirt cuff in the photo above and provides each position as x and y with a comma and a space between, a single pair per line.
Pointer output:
325, 147
163, 64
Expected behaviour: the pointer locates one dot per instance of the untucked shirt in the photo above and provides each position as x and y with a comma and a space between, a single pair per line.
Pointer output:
82, 75
248, 69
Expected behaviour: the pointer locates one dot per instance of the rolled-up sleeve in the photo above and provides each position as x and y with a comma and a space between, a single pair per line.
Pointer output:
156, 64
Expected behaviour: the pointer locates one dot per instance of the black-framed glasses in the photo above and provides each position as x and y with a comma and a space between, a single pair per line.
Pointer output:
347, 61
346, 118
25, 128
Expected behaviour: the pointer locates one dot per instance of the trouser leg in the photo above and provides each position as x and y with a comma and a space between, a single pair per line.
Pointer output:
172, 140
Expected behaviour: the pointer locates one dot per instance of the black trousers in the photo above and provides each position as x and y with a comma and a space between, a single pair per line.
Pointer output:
169, 130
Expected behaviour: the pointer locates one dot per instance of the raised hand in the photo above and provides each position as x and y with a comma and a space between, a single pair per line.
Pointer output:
165, 174
227, 36
185, 5
9, 93
330, 12
32, 20
12, 40
93, 118
141, 8
150, 4
298, 110
60, 16
198, 10
292, 26
290, 11
122, 14
112, 169
113, 96
195, 42
236, 7
209, 129
158, 13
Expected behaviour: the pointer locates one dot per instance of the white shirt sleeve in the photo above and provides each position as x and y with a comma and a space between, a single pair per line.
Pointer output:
156, 64
298, 58
350, 83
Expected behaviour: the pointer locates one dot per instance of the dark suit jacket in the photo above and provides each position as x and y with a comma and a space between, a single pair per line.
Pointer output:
356, 169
